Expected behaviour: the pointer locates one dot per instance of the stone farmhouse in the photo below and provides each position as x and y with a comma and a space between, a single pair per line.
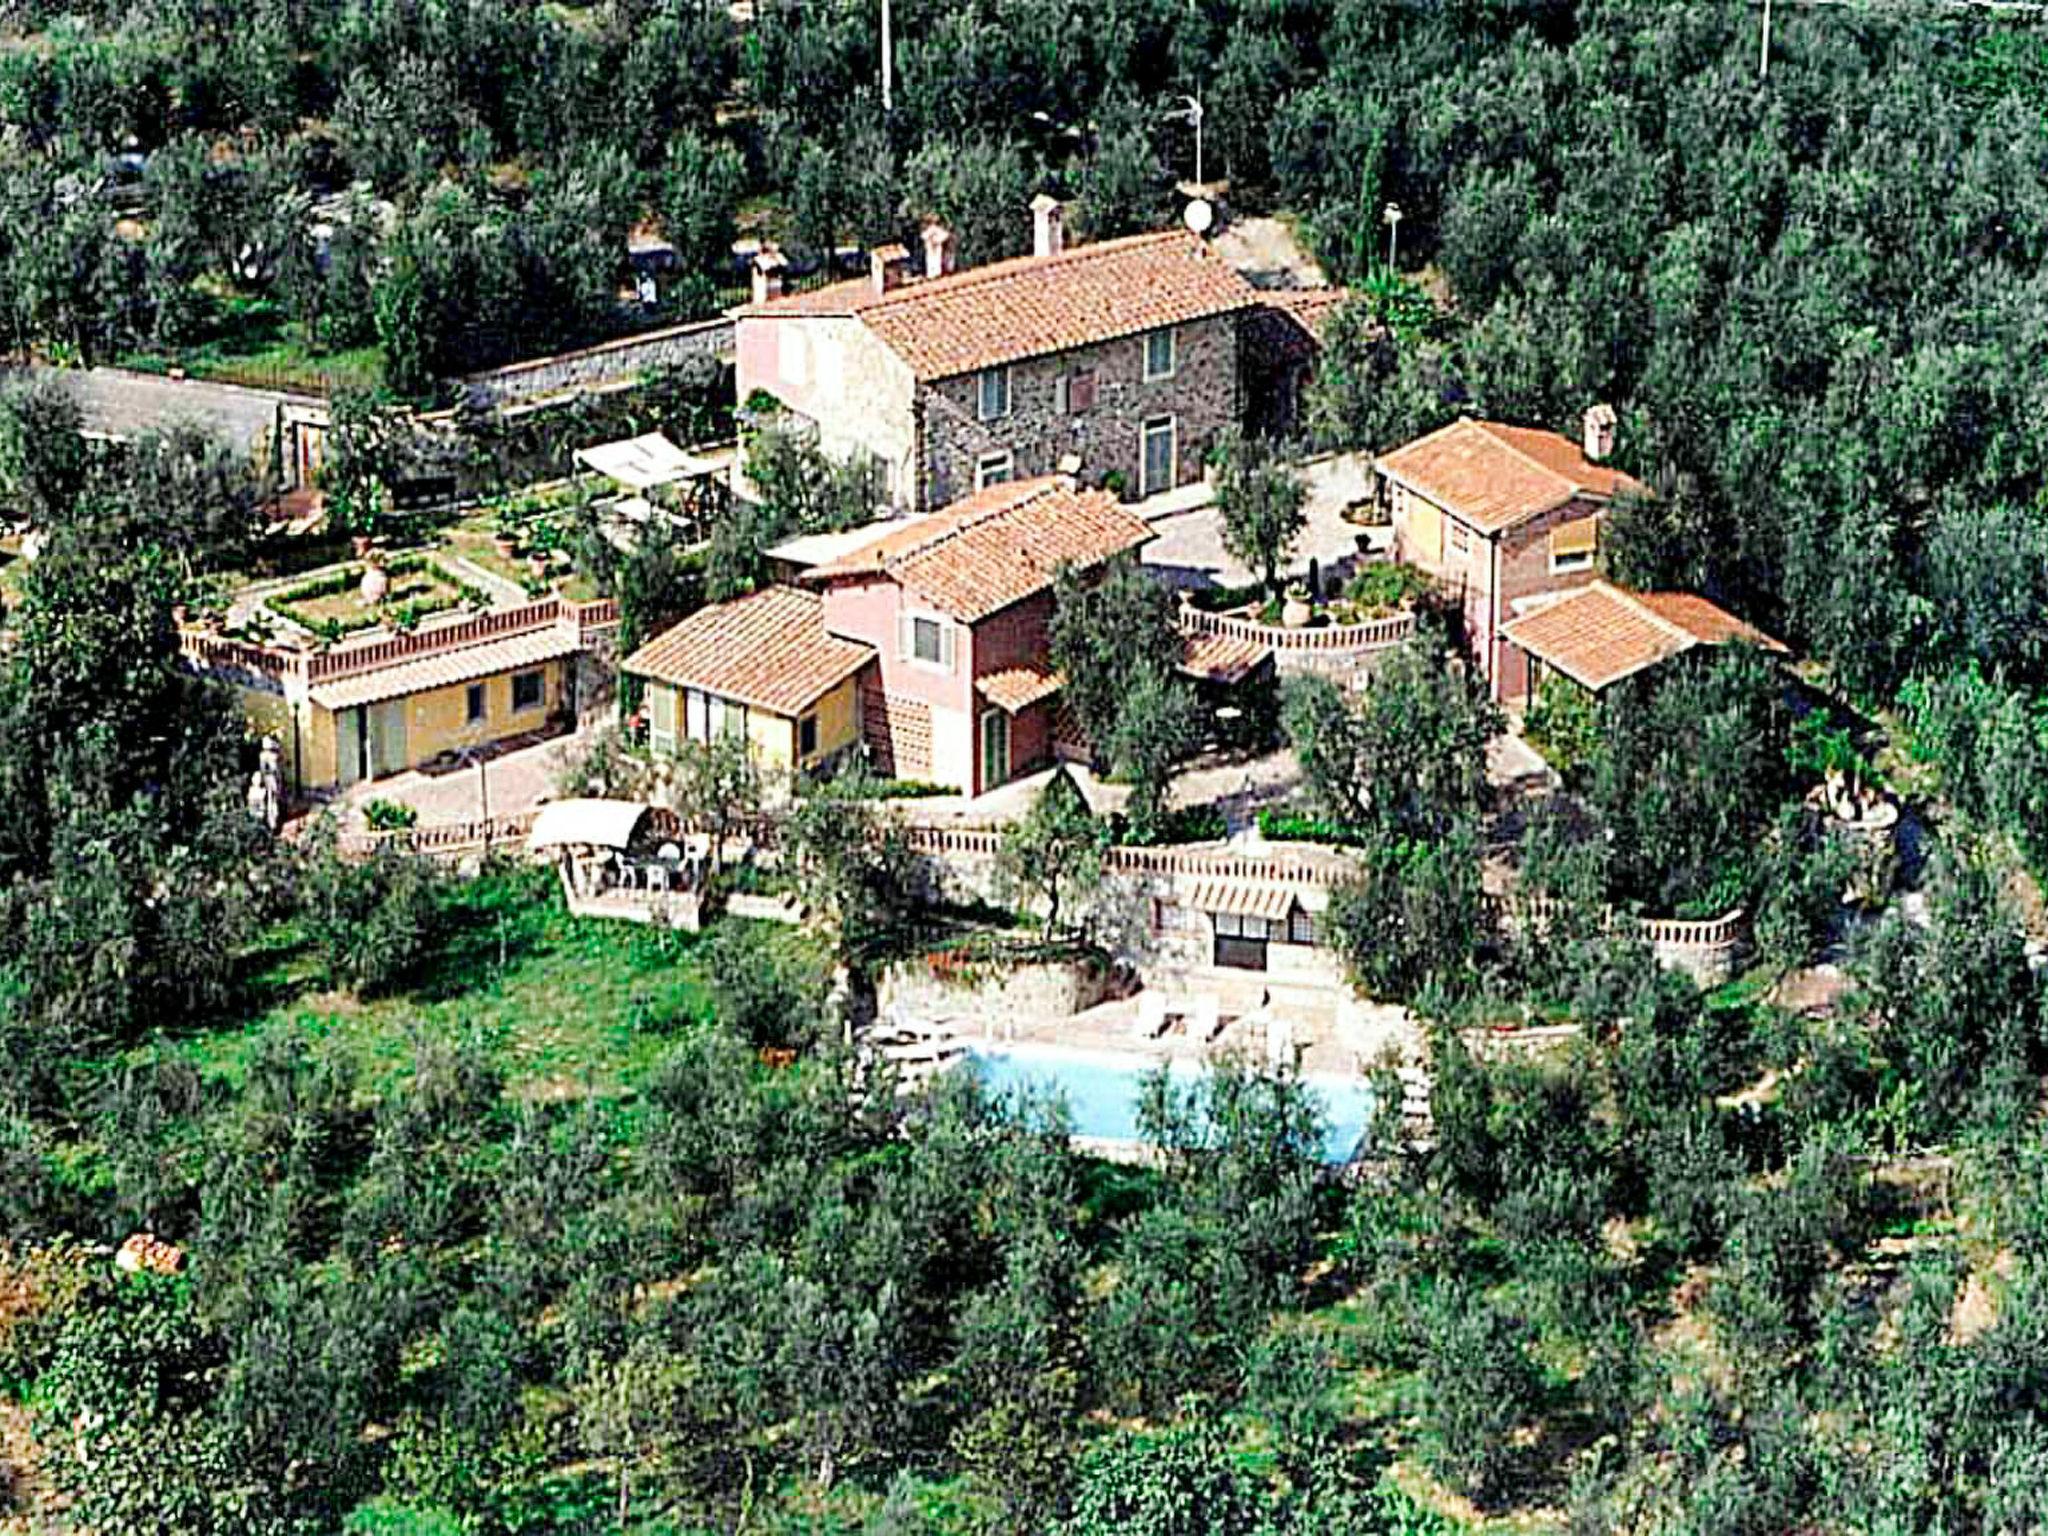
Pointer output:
927, 643
1505, 518
1117, 362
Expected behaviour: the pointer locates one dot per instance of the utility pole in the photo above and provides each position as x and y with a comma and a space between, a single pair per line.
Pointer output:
1763, 60
888, 63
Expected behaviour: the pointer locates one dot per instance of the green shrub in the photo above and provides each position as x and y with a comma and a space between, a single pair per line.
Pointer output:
1381, 588
1182, 824
370, 921
1295, 827
389, 816
1564, 725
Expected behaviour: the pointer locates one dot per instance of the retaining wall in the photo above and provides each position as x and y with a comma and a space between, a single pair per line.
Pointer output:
993, 994
607, 363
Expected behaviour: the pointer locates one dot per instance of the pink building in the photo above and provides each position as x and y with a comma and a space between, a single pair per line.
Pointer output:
938, 626
958, 607
1505, 518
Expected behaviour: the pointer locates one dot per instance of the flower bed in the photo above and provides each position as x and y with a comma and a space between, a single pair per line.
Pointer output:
330, 605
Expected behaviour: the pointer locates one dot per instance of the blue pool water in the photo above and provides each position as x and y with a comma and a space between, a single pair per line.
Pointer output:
1101, 1090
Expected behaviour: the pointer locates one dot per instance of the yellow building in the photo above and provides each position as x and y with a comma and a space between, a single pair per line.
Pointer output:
378, 707
762, 667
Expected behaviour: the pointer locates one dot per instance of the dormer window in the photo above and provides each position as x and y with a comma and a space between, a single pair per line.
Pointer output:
994, 394
1159, 355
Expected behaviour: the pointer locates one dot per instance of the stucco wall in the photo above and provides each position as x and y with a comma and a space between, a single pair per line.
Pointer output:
437, 721
868, 611
1202, 396
1015, 637
834, 370
1468, 576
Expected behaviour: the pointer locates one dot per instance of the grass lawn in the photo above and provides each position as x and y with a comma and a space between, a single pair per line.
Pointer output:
564, 1005
251, 342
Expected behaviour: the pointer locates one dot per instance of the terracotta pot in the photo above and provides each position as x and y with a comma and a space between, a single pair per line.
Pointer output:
376, 585
360, 543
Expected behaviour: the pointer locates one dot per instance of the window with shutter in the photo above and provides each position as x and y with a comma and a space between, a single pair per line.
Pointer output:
1081, 391
930, 642
1572, 545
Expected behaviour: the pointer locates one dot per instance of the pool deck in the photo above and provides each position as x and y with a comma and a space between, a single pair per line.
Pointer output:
1113, 1027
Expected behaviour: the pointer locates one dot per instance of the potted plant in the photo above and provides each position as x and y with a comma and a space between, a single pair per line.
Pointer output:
1296, 612
376, 583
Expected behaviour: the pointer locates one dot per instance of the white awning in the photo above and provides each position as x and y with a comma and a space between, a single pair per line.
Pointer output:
1243, 898
586, 823
644, 462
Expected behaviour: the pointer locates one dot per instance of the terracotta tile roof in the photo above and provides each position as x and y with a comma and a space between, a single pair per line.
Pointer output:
1600, 633
769, 650
998, 546
1016, 688
1309, 308
1220, 658
1033, 305
1706, 622
443, 669
1495, 476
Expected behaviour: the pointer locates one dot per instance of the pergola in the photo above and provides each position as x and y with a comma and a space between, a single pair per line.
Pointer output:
656, 478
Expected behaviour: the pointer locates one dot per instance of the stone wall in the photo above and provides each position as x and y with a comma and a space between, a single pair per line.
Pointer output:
608, 363
991, 996
1202, 396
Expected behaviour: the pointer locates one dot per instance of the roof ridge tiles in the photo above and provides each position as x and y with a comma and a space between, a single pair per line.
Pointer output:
1496, 432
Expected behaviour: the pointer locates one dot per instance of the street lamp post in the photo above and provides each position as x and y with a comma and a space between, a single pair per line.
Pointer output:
888, 62
1193, 113
1392, 219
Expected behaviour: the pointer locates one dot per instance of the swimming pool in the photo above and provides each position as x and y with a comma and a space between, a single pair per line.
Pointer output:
1101, 1090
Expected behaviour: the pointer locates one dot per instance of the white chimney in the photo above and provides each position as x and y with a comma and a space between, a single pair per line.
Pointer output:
938, 250
889, 267
1599, 433
767, 274
1048, 225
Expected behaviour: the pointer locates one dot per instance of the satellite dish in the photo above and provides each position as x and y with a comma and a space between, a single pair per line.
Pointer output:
1200, 215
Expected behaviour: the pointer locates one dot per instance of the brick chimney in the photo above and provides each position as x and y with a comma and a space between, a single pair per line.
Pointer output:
938, 250
767, 274
1599, 433
889, 266
1048, 225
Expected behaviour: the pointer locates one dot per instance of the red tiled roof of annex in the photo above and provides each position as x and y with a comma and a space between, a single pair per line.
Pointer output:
1601, 633
998, 546
1030, 306
1309, 308
1494, 476
1018, 688
769, 649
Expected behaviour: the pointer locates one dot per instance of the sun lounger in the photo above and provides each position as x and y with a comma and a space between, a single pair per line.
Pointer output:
1152, 1016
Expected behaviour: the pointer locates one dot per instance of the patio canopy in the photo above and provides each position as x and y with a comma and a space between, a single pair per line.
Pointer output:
644, 462
586, 824
1243, 898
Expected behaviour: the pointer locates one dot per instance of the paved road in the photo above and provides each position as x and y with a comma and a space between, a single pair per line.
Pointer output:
121, 404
